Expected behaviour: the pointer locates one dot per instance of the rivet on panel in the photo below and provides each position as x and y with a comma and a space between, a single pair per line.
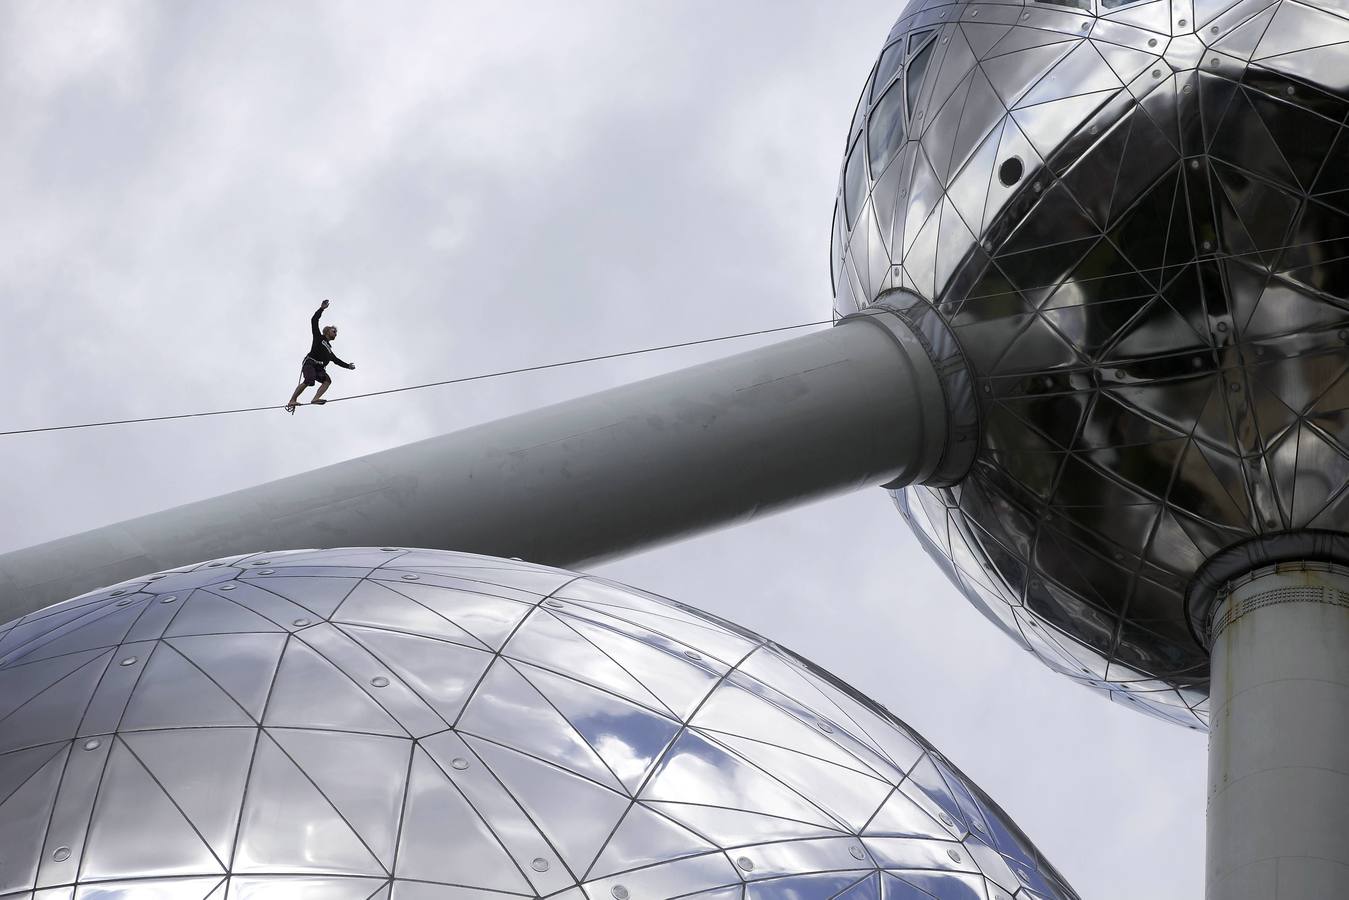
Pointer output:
411, 577
555, 604
459, 763
1182, 23
92, 744
127, 602
745, 863
118, 593
693, 654
379, 681
825, 727
539, 864
856, 852
61, 854
1152, 42
169, 599
300, 623
266, 571
618, 892
955, 855
947, 820
129, 661
228, 587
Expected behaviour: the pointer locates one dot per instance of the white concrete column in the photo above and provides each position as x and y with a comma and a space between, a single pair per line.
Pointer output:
1278, 783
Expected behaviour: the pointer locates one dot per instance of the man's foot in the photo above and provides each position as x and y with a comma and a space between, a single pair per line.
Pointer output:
290, 408
318, 402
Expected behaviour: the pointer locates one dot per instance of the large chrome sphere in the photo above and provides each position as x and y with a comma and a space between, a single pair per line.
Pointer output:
1134, 216
419, 725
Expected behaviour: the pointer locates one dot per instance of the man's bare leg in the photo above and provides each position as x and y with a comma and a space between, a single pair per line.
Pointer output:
323, 388
299, 389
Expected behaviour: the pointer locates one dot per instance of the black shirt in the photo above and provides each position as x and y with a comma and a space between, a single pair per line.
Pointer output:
322, 352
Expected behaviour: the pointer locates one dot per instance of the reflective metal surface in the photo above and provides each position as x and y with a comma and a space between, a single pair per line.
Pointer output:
1134, 216
423, 725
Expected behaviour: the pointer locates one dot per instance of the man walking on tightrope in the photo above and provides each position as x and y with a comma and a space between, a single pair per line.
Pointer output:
314, 367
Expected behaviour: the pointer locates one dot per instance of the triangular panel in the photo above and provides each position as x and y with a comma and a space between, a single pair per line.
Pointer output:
131, 805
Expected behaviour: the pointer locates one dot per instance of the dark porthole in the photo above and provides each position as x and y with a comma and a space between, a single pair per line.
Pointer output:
1010, 172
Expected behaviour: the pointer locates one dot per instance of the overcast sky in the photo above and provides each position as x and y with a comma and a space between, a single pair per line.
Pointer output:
480, 186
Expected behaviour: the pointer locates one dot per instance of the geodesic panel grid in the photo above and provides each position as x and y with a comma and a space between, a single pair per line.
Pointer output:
421, 725
1134, 216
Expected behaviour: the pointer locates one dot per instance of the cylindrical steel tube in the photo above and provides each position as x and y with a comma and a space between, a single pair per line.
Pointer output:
1278, 792
719, 443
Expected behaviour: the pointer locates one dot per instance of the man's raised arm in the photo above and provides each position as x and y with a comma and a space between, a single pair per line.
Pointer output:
314, 322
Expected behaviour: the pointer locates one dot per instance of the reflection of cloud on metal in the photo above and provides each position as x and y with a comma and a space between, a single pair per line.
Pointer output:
347, 723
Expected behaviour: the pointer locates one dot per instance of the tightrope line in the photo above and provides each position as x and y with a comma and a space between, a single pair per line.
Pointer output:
417, 387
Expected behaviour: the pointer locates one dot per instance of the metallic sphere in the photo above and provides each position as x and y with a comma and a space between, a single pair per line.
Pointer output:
384, 724
1133, 215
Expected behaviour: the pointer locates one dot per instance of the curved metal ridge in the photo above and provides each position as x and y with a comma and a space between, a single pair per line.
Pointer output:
1239, 563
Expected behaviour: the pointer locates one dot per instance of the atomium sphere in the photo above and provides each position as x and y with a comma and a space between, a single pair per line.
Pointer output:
385, 724
1133, 217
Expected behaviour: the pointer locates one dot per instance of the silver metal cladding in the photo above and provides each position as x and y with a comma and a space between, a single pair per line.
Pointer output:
1134, 217
415, 724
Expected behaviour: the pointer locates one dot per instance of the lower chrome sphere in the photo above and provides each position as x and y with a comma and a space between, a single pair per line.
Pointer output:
386, 724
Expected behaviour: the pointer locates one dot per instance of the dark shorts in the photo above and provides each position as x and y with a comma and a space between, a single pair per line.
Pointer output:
311, 372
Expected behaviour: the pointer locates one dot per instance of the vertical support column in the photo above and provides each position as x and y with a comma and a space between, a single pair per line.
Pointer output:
1278, 782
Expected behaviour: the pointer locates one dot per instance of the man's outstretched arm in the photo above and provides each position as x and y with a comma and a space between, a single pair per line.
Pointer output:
314, 322
345, 365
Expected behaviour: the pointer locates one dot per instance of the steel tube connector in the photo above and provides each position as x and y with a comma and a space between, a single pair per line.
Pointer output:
712, 445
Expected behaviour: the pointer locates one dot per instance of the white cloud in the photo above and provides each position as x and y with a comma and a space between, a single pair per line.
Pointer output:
478, 187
